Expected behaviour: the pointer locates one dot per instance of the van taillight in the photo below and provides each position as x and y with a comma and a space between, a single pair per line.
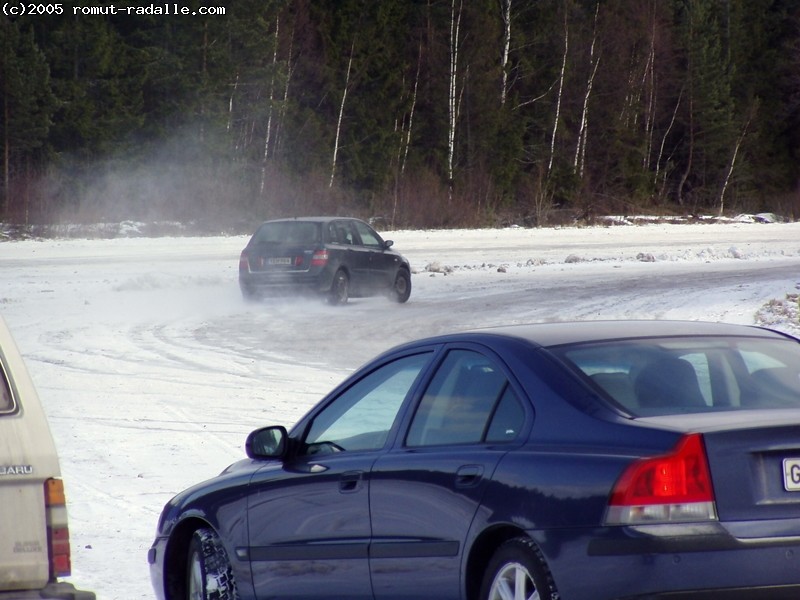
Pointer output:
320, 258
671, 488
57, 529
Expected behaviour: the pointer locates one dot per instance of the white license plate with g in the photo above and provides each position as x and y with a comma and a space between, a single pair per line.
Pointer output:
791, 474
281, 261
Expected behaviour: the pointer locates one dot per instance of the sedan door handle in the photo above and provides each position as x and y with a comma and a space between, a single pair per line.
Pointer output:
350, 481
468, 475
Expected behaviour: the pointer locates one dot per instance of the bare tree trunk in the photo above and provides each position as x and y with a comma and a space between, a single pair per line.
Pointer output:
27, 195
688, 168
660, 156
341, 114
234, 88
6, 159
505, 13
204, 71
732, 162
455, 24
580, 149
560, 92
271, 101
649, 82
282, 111
405, 137
407, 142
690, 82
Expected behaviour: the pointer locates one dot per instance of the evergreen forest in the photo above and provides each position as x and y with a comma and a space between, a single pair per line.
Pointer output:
421, 113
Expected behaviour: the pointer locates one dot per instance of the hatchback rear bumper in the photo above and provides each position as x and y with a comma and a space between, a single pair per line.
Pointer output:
319, 282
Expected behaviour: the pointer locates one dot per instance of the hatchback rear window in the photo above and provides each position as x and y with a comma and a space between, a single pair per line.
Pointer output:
287, 232
697, 374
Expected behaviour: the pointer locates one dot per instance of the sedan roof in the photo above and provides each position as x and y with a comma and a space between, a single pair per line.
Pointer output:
571, 332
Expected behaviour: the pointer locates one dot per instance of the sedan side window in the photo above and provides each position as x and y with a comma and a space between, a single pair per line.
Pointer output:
360, 418
468, 401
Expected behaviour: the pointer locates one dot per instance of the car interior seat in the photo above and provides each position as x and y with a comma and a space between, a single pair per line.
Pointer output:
669, 382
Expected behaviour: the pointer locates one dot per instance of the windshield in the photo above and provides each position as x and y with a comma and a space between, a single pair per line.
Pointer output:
696, 374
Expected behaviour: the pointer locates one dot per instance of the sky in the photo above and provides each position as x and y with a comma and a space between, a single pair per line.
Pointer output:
152, 369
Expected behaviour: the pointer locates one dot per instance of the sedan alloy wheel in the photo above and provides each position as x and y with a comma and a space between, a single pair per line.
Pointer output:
517, 572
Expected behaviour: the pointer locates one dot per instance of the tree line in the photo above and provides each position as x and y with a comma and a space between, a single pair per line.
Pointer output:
427, 113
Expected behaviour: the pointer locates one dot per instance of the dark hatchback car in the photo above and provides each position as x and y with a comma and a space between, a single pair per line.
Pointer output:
333, 256
581, 461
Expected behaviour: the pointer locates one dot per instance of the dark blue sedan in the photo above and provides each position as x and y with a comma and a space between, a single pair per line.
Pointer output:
580, 461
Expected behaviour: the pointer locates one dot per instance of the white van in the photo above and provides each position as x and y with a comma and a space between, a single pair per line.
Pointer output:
34, 537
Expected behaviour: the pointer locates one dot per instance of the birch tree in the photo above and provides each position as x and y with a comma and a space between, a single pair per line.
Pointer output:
505, 14
455, 25
561, 78
736, 147
580, 149
271, 104
341, 113
406, 143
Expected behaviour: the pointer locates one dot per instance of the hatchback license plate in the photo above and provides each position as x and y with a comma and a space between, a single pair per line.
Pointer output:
285, 261
791, 474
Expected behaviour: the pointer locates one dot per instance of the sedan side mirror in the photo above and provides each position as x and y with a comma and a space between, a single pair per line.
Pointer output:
387, 244
267, 442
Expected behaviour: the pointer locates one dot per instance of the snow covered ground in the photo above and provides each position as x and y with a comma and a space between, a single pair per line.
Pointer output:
153, 370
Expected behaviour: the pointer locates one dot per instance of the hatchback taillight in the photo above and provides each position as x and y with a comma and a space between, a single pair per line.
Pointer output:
244, 262
57, 529
320, 258
671, 488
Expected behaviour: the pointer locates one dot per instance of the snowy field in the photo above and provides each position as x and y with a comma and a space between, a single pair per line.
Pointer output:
153, 370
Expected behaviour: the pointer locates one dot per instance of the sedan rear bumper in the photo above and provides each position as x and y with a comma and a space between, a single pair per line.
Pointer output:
680, 562
791, 592
680, 538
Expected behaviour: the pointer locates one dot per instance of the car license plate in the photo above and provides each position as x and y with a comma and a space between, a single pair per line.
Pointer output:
281, 261
791, 474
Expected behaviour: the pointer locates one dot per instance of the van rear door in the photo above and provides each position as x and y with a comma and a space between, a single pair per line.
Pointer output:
28, 469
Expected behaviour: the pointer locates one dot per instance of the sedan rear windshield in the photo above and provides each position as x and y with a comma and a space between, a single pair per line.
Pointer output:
287, 232
665, 376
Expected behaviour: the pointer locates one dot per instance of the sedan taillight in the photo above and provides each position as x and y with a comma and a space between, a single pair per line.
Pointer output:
244, 262
672, 488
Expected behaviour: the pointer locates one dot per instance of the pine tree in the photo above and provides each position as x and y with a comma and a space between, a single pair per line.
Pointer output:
27, 107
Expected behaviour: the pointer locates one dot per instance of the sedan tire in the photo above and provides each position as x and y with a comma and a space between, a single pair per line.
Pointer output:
340, 289
517, 571
401, 290
208, 573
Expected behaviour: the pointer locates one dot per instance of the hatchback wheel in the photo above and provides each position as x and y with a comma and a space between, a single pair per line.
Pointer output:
208, 574
340, 289
517, 571
249, 294
401, 290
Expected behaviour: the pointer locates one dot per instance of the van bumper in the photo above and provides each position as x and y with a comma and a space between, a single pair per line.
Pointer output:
52, 591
